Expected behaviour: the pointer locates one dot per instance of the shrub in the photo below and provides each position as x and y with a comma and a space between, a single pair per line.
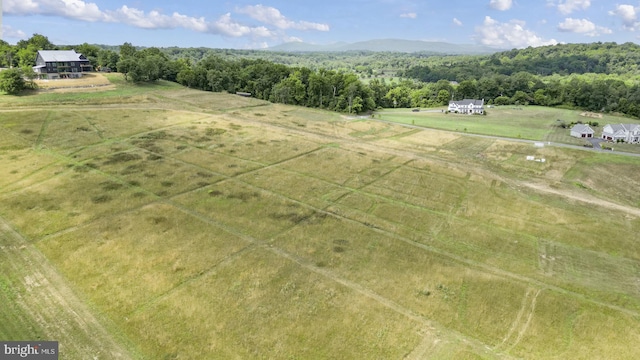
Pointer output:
12, 81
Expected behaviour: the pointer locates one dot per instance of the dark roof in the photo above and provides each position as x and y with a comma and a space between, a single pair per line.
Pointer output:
468, 102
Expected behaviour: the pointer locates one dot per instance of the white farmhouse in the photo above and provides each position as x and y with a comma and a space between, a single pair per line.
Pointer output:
467, 106
629, 133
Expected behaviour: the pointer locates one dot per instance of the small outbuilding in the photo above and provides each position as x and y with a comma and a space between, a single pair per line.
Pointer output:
582, 131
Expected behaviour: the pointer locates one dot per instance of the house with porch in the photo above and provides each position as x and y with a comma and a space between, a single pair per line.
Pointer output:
629, 133
582, 131
466, 106
61, 64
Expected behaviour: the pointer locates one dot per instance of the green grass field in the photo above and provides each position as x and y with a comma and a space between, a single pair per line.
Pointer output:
517, 122
158, 222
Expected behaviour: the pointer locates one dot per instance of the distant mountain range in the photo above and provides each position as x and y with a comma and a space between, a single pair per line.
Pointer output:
389, 45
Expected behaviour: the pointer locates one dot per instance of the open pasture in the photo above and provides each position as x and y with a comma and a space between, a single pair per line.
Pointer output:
517, 122
215, 226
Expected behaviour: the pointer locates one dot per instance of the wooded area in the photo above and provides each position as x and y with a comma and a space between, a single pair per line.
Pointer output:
595, 77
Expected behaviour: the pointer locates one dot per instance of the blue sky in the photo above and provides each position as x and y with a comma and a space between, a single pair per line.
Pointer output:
246, 24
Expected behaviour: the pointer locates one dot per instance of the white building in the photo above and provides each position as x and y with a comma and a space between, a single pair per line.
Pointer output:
629, 133
582, 131
467, 106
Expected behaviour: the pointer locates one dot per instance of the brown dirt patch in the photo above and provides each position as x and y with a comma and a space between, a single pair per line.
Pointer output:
88, 82
591, 115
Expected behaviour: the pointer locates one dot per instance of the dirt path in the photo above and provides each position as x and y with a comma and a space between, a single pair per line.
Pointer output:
525, 326
43, 294
633, 211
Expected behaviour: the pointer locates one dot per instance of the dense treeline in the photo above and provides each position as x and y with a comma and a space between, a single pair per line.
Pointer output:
280, 83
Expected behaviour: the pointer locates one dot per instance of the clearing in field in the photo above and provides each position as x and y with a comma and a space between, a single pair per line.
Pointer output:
201, 225
88, 82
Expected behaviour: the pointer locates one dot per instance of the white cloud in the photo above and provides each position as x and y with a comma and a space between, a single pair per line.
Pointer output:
502, 5
409, 15
9, 32
273, 16
457, 22
225, 25
509, 34
77, 9
569, 6
155, 19
628, 14
72, 9
19, 7
582, 26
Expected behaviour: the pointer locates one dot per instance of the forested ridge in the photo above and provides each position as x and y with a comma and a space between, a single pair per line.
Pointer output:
566, 59
596, 77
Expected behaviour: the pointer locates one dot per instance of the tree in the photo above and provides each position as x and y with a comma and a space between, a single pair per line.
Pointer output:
289, 91
37, 41
6, 54
501, 100
399, 96
127, 51
540, 98
108, 58
12, 81
443, 97
89, 51
379, 89
186, 77
26, 56
126, 66
467, 90
520, 98
319, 88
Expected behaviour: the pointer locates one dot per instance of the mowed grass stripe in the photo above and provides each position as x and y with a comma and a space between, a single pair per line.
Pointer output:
224, 261
313, 266
473, 264
263, 305
449, 254
50, 309
43, 130
470, 250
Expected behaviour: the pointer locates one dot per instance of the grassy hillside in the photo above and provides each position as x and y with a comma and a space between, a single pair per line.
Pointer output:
184, 224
